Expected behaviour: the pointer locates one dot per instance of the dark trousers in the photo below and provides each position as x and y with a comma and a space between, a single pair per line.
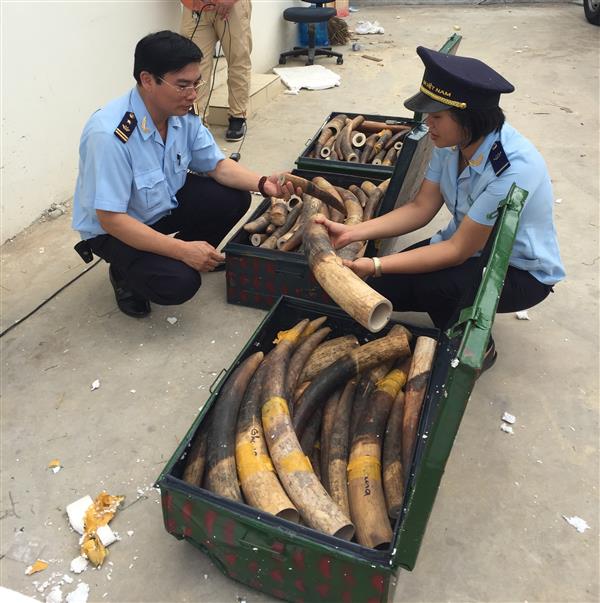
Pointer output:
439, 293
207, 211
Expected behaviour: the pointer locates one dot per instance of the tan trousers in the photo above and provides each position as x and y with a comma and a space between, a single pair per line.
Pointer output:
236, 41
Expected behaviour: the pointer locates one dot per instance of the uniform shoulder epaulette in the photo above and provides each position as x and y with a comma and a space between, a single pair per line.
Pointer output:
498, 158
126, 127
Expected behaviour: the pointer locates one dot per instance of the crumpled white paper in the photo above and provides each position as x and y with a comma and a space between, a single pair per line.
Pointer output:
311, 77
581, 525
366, 27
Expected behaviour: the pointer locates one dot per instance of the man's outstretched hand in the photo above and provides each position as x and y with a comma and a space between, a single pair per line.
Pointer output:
201, 256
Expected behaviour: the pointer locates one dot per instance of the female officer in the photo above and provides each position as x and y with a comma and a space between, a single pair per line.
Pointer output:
476, 159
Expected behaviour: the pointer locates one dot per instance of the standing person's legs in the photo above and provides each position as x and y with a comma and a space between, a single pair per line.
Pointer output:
204, 36
237, 45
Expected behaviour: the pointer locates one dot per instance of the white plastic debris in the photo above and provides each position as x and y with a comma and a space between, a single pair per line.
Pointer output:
130, 533
506, 428
80, 594
55, 595
67, 578
522, 315
558, 200
78, 564
311, 77
454, 362
76, 512
95, 384
508, 418
106, 535
581, 525
171, 320
366, 27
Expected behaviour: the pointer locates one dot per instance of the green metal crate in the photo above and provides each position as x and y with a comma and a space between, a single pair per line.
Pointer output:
294, 562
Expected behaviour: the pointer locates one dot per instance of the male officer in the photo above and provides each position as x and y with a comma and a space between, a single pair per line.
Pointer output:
134, 187
228, 21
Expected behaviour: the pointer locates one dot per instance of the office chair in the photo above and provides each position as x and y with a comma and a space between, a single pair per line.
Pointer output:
311, 16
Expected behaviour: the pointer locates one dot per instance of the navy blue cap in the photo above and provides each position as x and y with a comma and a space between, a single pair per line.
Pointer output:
453, 81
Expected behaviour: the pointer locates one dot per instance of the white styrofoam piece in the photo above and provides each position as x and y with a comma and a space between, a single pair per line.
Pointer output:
80, 594
106, 535
508, 418
78, 564
55, 595
76, 512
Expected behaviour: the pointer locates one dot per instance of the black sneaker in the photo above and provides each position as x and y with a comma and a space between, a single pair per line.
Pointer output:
236, 129
128, 301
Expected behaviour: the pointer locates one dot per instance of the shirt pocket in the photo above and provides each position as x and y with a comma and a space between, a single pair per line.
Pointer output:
181, 162
180, 168
151, 187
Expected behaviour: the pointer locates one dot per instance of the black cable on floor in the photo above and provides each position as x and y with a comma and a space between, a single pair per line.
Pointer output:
22, 320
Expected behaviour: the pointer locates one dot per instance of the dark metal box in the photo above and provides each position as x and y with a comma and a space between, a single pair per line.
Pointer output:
294, 562
257, 277
366, 170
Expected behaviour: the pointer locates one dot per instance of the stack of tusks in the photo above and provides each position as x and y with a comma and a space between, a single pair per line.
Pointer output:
357, 204
359, 141
261, 428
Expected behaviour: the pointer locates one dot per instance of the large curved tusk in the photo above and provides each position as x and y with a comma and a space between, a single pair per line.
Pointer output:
221, 474
363, 303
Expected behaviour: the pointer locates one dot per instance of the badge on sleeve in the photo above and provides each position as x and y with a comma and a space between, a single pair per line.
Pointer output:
126, 127
498, 158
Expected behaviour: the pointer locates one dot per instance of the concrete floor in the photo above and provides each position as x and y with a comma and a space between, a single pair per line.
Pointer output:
497, 531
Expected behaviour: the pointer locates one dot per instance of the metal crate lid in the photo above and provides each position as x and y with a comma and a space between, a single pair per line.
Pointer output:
471, 335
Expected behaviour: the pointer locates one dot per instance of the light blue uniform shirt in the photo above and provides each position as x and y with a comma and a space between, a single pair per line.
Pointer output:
478, 191
139, 177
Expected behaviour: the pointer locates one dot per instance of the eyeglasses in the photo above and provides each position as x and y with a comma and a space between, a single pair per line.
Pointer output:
184, 89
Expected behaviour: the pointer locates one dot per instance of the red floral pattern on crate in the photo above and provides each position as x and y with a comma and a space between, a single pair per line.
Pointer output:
280, 566
258, 282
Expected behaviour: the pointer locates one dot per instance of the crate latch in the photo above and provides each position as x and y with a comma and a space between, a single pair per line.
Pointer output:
473, 315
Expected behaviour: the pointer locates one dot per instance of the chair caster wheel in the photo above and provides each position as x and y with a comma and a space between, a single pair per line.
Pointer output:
340, 61
282, 60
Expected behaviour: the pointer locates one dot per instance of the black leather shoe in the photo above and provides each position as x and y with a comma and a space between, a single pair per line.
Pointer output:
129, 302
236, 129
